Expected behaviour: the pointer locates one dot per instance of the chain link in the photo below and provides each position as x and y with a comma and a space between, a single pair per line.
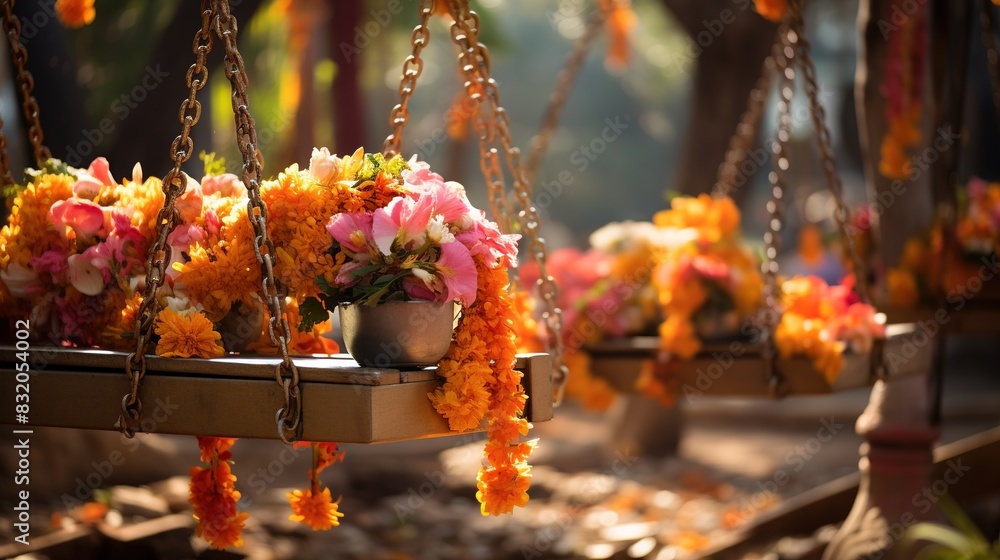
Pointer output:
784, 58
564, 85
413, 66
289, 416
988, 35
842, 214
474, 61
168, 217
25, 84
746, 130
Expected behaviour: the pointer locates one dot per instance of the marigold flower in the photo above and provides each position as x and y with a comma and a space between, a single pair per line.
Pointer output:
902, 288
772, 10
75, 13
502, 489
677, 335
213, 495
618, 24
317, 510
191, 336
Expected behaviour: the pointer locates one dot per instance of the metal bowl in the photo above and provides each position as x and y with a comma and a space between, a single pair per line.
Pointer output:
397, 334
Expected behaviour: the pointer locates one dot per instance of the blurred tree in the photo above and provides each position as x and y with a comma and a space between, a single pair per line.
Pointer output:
731, 41
347, 103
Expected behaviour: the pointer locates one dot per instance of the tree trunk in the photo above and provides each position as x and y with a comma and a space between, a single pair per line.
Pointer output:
348, 108
730, 42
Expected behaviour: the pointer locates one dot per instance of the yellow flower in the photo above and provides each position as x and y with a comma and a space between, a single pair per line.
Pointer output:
75, 13
677, 335
29, 232
318, 511
186, 336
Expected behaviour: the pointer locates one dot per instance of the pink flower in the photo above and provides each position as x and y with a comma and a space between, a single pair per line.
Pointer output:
213, 224
122, 227
20, 281
458, 272
84, 275
352, 231
416, 289
184, 236
52, 262
419, 172
226, 185
345, 276
977, 187
484, 240
84, 217
404, 220
91, 181
191, 201
711, 269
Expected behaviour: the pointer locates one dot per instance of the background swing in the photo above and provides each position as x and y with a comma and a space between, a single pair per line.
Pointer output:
319, 399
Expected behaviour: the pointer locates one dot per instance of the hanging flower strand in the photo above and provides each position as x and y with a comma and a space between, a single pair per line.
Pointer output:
902, 87
315, 507
620, 19
214, 495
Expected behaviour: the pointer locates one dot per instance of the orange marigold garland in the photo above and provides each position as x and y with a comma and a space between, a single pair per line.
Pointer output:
902, 87
620, 19
214, 495
314, 506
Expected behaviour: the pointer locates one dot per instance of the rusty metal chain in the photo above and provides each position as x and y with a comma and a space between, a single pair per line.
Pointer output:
5, 176
474, 61
168, 217
564, 85
289, 416
842, 214
988, 34
25, 84
746, 130
784, 62
413, 66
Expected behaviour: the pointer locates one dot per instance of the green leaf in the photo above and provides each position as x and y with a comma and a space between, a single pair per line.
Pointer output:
311, 313
52, 166
213, 165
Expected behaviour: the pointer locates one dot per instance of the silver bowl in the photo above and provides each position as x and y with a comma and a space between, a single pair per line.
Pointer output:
397, 334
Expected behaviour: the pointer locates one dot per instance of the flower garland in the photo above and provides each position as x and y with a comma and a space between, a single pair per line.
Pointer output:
315, 507
903, 88
214, 495
820, 321
708, 282
618, 24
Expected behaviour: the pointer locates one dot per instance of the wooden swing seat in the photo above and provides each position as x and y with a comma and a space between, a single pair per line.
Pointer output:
237, 396
736, 369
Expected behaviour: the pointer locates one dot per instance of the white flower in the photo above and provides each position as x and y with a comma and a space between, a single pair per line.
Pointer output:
438, 232
18, 279
324, 166
426, 277
84, 276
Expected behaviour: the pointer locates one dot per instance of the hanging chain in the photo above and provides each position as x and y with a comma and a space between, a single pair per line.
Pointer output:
5, 177
564, 85
289, 416
160, 252
784, 61
842, 215
746, 130
413, 66
25, 84
992, 56
474, 60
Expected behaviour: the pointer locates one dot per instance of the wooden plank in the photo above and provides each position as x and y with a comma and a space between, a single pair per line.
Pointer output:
538, 385
736, 368
334, 409
831, 502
